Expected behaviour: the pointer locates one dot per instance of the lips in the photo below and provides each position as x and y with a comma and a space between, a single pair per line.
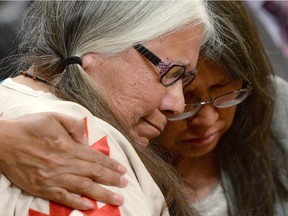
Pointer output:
205, 136
203, 139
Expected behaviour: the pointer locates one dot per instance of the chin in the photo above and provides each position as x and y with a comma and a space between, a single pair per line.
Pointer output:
195, 151
141, 141
199, 153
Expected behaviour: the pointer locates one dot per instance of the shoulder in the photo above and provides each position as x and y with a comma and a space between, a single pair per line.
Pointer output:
280, 116
281, 96
142, 195
17, 100
281, 86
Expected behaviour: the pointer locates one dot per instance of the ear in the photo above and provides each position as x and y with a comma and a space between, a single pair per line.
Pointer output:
88, 62
92, 62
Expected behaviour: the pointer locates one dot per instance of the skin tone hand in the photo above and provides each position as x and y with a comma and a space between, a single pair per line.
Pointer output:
48, 156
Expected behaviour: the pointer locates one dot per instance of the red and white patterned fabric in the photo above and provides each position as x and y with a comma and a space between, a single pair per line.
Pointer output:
142, 195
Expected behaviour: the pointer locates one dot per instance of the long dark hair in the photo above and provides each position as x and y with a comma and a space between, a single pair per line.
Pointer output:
248, 152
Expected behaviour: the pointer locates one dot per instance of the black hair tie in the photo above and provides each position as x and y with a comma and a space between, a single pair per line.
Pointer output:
72, 60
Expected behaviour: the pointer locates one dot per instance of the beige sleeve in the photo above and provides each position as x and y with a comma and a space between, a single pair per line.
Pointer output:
142, 195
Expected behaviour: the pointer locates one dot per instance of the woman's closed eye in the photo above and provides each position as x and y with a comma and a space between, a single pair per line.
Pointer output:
222, 84
225, 87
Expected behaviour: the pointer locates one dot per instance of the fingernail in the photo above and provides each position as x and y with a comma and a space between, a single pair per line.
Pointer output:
122, 169
123, 181
88, 204
118, 199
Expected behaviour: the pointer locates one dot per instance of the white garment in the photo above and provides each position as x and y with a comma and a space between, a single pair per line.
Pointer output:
142, 195
280, 117
214, 204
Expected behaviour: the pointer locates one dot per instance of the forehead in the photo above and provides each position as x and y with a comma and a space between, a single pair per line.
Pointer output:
181, 46
211, 71
182, 35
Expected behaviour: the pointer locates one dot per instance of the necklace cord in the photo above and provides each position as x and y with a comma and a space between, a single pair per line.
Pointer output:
34, 77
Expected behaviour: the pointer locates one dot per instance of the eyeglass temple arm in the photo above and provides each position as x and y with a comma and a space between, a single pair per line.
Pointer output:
248, 85
148, 54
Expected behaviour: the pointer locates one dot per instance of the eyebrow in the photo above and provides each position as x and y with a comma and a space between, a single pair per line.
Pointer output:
148, 54
155, 59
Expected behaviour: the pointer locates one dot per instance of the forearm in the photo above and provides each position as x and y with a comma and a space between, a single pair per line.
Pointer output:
8, 139
40, 150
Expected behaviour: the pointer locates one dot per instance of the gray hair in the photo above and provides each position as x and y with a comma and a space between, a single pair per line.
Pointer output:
61, 29
55, 30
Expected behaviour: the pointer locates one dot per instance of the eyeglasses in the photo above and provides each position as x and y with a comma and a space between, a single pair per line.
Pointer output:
169, 73
223, 101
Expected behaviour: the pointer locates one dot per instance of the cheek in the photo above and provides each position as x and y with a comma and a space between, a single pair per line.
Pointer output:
171, 134
227, 116
135, 97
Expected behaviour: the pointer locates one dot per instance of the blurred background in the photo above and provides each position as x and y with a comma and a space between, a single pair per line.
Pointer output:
11, 13
271, 18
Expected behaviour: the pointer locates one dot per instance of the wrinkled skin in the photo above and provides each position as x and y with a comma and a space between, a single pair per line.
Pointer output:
46, 164
50, 158
132, 84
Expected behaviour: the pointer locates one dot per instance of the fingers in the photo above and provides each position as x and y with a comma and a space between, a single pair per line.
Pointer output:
51, 163
88, 154
60, 144
86, 162
87, 188
63, 197
94, 171
78, 159
78, 185
74, 126
104, 171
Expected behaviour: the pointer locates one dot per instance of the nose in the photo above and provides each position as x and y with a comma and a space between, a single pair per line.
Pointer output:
173, 102
206, 116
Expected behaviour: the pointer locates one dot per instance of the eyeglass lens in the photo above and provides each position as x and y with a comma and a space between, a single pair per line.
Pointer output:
175, 73
224, 101
231, 99
169, 73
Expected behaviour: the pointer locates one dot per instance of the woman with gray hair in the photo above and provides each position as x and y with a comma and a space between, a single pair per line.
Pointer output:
122, 62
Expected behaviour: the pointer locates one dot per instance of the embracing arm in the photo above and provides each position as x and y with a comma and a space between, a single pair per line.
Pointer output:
47, 155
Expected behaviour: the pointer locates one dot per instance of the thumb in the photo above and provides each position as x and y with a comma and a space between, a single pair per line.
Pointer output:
76, 127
